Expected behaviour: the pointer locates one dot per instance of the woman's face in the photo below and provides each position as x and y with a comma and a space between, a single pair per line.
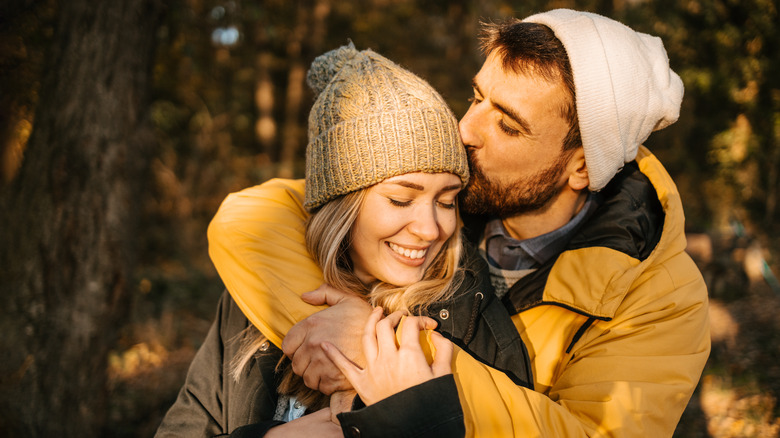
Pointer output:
402, 225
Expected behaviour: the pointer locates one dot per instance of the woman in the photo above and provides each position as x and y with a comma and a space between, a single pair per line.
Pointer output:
384, 167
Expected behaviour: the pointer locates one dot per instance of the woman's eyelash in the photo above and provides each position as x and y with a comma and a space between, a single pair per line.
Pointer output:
398, 203
447, 205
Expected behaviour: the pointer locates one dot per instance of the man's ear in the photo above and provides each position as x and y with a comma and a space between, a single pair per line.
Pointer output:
578, 170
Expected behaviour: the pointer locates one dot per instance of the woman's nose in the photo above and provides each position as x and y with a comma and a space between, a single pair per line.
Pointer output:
425, 224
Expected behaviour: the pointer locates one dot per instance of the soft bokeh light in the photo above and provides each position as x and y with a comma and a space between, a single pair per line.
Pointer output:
225, 36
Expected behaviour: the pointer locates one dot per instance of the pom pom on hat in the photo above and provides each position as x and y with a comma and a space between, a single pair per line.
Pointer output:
623, 84
326, 66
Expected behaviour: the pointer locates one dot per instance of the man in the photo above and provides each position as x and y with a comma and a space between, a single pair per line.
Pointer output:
583, 231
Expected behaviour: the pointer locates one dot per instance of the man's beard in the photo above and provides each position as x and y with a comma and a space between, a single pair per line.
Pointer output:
487, 197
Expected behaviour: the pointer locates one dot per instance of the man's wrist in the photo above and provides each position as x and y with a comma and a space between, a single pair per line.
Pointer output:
267, 429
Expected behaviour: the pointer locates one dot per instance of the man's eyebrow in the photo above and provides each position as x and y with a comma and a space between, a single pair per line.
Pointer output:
475, 86
512, 114
524, 126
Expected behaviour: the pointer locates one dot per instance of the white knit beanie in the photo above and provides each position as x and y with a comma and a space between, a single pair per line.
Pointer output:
623, 85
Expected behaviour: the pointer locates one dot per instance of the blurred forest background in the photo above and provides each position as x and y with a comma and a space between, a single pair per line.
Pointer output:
124, 123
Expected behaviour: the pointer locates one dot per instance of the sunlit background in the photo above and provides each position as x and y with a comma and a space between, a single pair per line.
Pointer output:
229, 111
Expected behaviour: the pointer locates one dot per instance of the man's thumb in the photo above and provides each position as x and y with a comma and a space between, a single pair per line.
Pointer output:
325, 294
315, 297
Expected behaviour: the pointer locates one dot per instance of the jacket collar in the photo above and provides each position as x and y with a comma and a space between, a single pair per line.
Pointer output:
638, 222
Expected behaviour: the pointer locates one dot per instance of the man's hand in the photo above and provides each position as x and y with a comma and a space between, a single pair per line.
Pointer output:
315, 424
341, 324
341, 401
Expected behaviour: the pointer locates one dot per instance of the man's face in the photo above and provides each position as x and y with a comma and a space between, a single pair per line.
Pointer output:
514, 132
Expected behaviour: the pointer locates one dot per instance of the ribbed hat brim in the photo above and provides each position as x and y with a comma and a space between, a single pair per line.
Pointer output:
362, 151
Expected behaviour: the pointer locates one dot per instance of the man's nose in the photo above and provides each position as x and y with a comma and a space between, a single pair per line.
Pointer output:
469, 129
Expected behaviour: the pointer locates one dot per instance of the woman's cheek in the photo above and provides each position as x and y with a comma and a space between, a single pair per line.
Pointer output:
450, 224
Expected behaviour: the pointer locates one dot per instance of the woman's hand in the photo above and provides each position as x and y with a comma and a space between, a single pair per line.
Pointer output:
389, 368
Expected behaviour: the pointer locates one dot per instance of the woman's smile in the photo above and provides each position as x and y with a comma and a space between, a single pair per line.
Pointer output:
403, 223
413, 254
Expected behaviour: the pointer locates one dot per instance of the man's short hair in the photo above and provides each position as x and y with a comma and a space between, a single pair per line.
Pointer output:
533, 49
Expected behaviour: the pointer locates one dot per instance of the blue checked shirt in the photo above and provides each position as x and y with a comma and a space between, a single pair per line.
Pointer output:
507, 253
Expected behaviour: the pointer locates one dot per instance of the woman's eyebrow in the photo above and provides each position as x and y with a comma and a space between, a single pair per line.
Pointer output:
451, 188
408, 184
414, 186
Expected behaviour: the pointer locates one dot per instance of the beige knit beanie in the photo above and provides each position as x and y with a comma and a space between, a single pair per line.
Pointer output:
373, 120
623, 84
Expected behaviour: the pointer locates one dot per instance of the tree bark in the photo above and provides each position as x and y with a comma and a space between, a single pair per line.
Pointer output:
66, 221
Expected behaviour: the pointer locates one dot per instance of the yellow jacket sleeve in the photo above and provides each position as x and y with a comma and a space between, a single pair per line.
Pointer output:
257, 244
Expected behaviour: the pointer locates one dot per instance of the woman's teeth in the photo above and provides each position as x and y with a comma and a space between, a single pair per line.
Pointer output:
406, 252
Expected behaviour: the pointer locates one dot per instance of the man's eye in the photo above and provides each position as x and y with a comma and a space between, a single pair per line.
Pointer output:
507, 130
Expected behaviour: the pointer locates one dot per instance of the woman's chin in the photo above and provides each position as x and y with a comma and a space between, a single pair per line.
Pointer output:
404, 281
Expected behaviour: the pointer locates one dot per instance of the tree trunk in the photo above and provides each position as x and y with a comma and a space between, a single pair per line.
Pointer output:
66, 221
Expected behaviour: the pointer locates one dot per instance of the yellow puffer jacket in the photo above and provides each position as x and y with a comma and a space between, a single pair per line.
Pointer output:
617, 344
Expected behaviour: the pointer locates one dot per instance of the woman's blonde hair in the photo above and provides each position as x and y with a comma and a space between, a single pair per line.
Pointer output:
328, 238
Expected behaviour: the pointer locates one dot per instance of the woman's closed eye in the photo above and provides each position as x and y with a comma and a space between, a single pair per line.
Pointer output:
447, 204
442, 203
399, 203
